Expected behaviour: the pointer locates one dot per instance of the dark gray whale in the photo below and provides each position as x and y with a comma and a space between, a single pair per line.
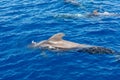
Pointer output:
56, 43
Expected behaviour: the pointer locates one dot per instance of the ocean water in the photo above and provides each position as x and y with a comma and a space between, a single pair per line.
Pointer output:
22, 21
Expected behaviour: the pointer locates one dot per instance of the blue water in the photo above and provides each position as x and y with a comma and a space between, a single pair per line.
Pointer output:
22, 21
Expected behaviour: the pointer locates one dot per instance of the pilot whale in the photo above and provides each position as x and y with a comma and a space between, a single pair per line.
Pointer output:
57, 43
95, 14
73, 2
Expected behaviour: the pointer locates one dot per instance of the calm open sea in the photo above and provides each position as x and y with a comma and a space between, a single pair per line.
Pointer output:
22, 21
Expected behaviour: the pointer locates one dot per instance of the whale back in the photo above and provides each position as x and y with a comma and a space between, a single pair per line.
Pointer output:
57, 37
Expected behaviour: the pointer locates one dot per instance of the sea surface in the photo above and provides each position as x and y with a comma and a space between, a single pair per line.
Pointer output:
22, 21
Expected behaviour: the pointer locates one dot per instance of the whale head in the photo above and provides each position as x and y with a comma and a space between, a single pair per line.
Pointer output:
41, 44
48, 44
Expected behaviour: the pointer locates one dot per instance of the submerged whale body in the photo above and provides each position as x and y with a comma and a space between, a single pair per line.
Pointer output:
68, 15
96, 49
56, 43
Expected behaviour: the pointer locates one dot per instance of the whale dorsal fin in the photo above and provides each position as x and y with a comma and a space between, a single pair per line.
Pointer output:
57, 37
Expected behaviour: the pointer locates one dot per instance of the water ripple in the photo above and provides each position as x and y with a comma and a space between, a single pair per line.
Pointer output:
22, 21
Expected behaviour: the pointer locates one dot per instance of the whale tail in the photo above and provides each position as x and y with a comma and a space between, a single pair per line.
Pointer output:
94, 50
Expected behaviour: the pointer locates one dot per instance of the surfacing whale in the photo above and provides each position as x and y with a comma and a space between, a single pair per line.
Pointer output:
56, 43
73, 2
95, 13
